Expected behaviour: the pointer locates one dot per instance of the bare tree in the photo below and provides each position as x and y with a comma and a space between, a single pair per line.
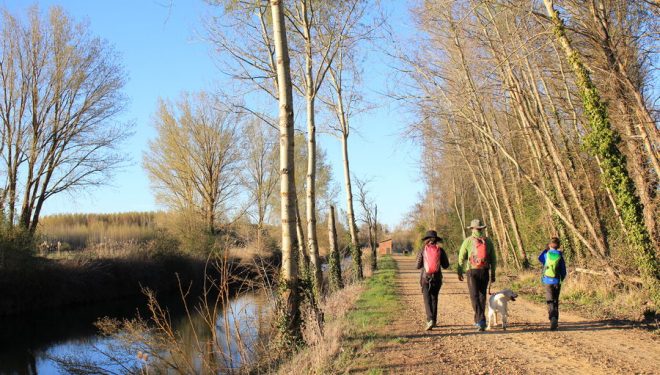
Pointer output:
193, 163
319, 51
602, 142
289, 298
260, 177
369, 217
246, 46
344, 98
615, 35
525, 139
60, 96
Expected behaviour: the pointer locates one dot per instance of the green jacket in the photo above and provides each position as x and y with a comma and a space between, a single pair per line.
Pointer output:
466, 250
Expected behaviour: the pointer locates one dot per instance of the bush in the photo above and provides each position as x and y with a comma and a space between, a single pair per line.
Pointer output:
16, 245
162, 245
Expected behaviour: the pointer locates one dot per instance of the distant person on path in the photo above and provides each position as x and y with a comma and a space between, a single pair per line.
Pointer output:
430, 258
479, 253
554, 273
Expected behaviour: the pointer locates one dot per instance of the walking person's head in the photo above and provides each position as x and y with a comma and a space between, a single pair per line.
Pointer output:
477, 227
431, 237
554, 243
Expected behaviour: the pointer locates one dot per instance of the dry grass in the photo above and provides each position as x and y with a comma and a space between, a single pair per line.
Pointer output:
249, 252
323, 348
78, 231
106, 250
597, 296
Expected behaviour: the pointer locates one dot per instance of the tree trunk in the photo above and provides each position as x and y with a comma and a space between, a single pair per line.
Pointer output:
374, 242
312, 244
623, 88
355, 248
303, 259
626, 87
334, 261
460, 213
210, 217
289, 301
310, 93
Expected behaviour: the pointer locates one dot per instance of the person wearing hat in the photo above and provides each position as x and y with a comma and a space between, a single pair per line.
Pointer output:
430, 278
477, 257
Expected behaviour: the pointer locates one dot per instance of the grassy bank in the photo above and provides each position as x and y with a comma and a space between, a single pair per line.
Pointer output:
353, 315
378, 303
374, 310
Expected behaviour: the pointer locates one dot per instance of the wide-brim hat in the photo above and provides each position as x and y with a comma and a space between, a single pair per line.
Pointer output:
431, 234
476, 224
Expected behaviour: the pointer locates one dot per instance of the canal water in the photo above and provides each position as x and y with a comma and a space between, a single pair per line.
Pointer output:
30, 344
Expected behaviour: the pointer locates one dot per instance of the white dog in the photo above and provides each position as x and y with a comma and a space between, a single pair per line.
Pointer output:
497, 303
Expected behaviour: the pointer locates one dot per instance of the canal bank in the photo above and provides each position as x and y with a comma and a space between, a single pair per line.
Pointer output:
45, 284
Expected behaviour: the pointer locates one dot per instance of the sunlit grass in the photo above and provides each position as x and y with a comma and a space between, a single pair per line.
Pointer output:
378, 304
77, 231
594, 295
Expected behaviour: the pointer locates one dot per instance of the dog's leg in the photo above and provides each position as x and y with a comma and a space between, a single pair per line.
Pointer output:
504, 321
490, 317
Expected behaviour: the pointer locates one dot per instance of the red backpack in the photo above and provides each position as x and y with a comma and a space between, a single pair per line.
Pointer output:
431, 258
479, 255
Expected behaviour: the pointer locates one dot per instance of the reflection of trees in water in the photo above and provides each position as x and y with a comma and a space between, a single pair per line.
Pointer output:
235, 339
26, 340
205, 339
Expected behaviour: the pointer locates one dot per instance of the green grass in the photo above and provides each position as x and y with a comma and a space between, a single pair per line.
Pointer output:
374, 310
378, 303
376, 307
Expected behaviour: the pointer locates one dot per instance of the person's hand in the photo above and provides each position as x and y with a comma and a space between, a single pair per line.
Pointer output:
460, 277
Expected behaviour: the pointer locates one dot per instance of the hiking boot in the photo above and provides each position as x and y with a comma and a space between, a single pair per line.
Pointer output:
481, 326
429, 325
554, 323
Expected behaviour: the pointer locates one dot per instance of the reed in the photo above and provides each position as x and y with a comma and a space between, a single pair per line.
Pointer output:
78, 231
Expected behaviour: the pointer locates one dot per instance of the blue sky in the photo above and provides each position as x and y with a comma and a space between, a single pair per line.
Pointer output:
163, 54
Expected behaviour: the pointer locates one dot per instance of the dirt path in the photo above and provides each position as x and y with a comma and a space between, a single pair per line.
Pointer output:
580, 346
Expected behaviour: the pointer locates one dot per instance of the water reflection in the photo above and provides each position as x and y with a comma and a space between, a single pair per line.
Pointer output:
28, 343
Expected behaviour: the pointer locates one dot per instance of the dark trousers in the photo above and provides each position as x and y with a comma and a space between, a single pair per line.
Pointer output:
477, 280
552, 299
430, 291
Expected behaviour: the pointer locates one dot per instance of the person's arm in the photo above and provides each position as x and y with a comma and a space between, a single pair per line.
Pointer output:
493, 258
444, 260
462, 257
542, 257
562, 269
420, 258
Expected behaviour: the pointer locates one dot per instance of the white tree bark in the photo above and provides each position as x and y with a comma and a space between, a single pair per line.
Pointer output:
289, 275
